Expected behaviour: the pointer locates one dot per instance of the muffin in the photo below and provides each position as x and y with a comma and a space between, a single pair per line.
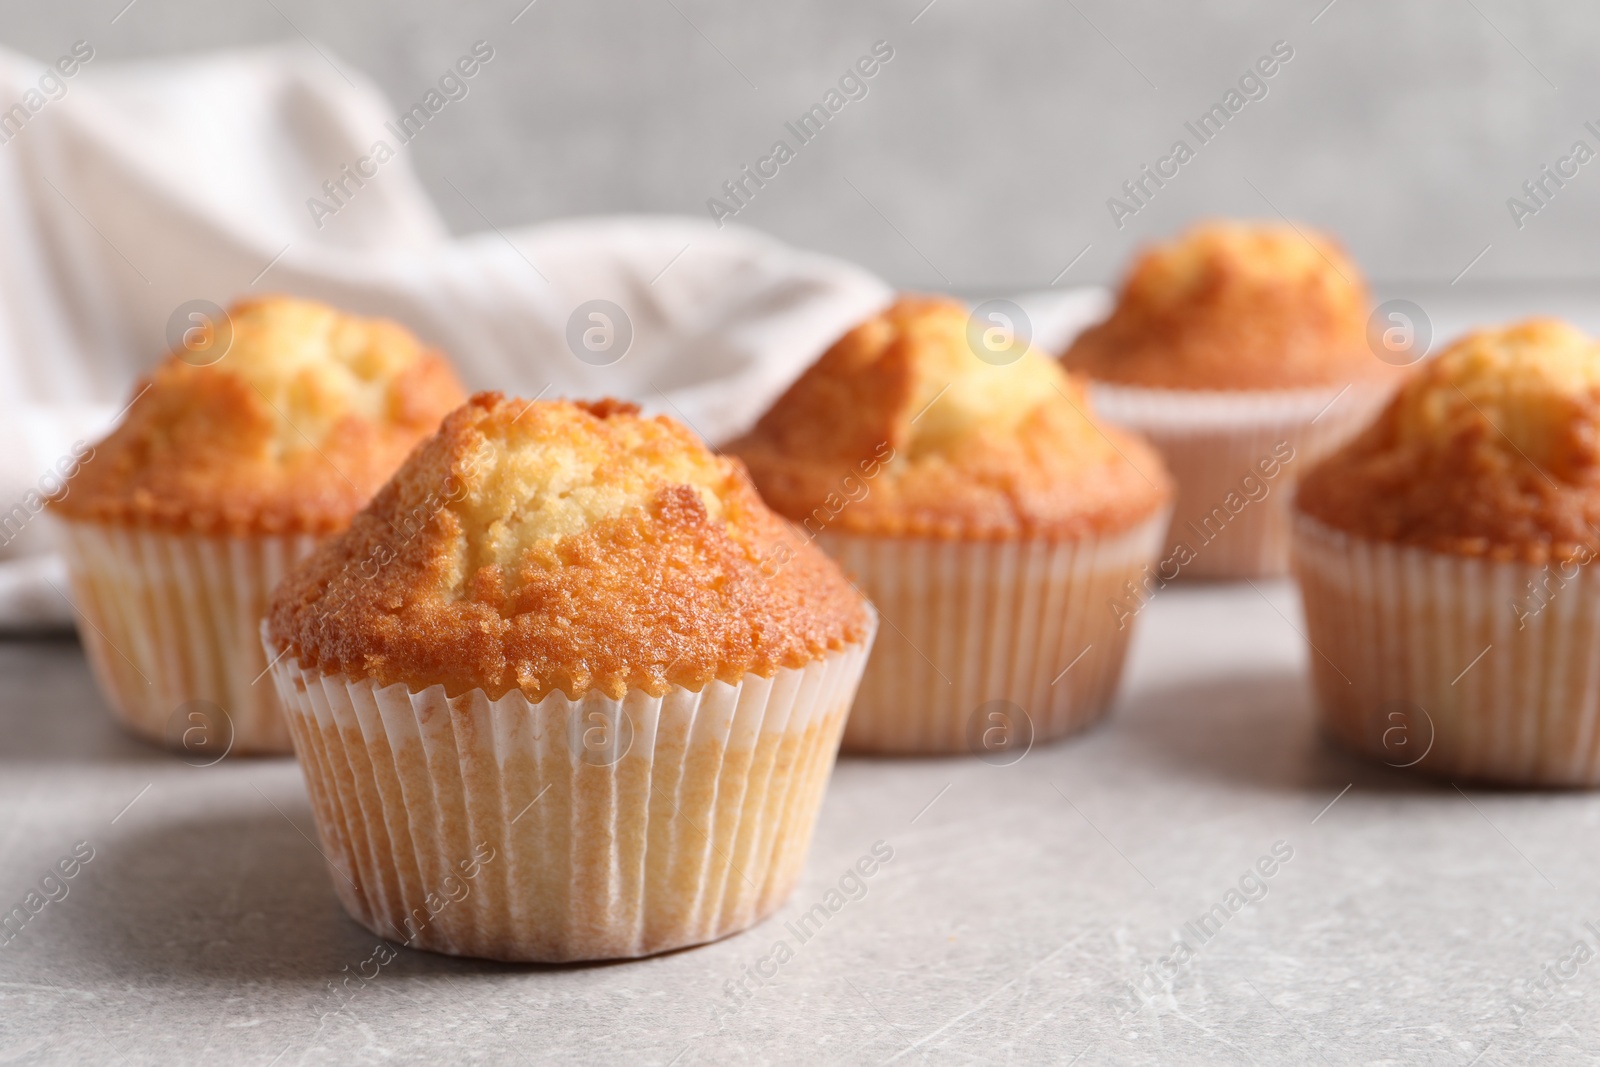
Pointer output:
217, 479
571, 716
1240, 350
1442, 556
1004, 535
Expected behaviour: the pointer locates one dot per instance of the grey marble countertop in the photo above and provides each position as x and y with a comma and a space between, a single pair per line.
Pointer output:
1021, 911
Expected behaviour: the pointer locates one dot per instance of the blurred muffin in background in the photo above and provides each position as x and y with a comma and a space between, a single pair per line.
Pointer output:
1240, 350
995, 524
232, 461
576, 683
1443, 556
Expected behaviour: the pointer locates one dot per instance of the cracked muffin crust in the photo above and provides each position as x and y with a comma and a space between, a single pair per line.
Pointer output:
1233, 306
902, 420
305, 415
552, 545
1492, 449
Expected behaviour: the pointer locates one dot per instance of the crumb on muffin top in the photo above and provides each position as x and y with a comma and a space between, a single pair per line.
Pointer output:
553, 545
1229, 306
290, 431
1492, 449
900, 429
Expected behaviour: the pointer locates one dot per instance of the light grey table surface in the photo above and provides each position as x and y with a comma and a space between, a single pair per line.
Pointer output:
1412, 924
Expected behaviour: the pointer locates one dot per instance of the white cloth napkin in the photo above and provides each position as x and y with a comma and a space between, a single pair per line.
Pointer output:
129, 190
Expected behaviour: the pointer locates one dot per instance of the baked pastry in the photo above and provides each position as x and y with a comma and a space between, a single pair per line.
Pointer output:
574, 672
1005, 535
1237, 349
1442, 556
222, 473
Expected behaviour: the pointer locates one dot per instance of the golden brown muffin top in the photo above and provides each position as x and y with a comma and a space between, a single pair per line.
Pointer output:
900, 430
291, 431
1235, 306
573, 546
1492, 449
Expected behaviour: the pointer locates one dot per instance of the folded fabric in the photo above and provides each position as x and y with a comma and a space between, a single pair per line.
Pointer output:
127, 191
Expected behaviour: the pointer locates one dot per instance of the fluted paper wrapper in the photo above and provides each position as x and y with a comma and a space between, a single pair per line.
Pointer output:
591, 828
1213, 441
170, 620
1458, 666
968, 623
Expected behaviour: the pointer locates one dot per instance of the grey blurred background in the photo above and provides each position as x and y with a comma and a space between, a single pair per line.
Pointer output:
984, 153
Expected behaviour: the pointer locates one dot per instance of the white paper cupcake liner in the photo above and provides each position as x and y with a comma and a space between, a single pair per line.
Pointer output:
171, 625
1451, 664
599, 828
1213, 441
1032, 624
